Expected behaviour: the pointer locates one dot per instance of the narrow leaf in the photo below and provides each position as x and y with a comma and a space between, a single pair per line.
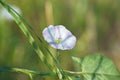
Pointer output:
21, 23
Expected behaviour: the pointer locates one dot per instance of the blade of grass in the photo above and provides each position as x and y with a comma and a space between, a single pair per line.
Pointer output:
27, 71
18, 20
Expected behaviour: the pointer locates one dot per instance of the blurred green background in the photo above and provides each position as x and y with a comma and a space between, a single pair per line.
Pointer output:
95, 23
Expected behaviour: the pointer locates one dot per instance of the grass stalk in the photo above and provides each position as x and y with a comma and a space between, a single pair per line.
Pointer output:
22, 22
22, 26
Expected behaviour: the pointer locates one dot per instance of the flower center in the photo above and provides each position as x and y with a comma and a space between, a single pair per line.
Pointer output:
57, 41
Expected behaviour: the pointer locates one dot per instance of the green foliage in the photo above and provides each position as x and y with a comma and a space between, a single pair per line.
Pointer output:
97, 67
76, 78
95, 24
27, 72
21, 23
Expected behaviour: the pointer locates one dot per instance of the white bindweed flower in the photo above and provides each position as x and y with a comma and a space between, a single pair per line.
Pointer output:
59, 37
5, 15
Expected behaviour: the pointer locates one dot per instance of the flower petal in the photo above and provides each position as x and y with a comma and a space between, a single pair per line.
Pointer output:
48, 34
63, 32
59, 37
69, 43
5, 15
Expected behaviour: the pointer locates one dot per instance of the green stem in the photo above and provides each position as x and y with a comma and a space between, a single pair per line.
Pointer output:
61, 74
58, 55
18, 19
81, 73
28, 72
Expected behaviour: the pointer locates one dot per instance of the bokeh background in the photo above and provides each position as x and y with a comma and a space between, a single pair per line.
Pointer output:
95, 23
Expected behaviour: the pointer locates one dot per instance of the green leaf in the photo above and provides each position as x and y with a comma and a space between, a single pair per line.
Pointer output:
97, 67
27, 71
75, 78
23, 24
